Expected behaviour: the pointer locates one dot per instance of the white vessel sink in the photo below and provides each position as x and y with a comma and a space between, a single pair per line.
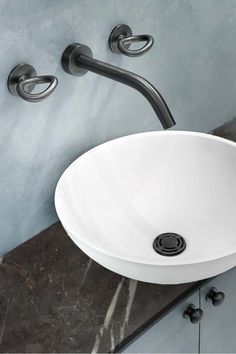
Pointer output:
114, 200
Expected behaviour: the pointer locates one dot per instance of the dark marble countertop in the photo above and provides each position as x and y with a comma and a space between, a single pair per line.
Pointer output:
53, 298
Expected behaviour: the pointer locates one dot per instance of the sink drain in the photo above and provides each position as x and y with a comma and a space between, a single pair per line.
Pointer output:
169, 244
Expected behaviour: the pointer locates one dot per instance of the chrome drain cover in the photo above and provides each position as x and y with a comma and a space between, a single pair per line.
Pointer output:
169, 244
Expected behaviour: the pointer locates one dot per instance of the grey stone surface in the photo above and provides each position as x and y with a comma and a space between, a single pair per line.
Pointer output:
192, 63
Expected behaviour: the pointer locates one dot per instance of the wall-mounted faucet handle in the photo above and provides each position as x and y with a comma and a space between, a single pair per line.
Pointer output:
121, 38
124, 42
36, 97
23, 79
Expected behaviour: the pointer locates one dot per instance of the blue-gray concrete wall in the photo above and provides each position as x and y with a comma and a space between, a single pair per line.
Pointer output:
192, 64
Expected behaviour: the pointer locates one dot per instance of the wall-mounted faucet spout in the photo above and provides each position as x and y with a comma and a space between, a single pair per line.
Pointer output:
77, 59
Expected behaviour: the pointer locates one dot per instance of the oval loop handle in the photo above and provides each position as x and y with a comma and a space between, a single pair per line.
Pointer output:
37, 80
124, 41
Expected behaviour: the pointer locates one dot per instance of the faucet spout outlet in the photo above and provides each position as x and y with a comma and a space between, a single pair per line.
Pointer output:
77, 59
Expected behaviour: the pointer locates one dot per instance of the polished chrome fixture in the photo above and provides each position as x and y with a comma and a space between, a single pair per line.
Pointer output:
23, 79
121, 38
77, 59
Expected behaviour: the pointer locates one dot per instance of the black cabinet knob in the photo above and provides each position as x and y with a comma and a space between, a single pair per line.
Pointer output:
195, 315
216, 297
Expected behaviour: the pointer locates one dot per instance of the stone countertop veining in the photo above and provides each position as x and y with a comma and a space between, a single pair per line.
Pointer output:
53, 298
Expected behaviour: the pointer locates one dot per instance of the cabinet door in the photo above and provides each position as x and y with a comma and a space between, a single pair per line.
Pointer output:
172, 334
218, 327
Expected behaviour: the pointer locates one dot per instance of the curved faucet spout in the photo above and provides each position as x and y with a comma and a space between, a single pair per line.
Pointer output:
79, 57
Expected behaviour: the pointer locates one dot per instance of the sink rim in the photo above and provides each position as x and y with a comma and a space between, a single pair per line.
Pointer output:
172, 261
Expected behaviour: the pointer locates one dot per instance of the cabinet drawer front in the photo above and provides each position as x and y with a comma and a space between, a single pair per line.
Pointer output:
172, 334
218, 329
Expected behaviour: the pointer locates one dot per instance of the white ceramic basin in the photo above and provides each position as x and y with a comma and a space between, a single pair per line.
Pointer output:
115, 199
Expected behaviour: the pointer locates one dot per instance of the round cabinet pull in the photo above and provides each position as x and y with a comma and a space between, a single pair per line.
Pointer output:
195, 315
121, 38
23, 79
216, 297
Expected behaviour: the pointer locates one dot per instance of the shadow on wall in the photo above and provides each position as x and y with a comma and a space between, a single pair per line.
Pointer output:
228, 130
